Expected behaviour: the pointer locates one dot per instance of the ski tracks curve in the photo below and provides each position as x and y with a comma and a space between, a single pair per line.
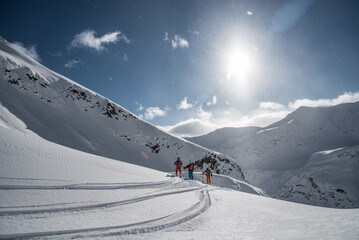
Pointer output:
139, 227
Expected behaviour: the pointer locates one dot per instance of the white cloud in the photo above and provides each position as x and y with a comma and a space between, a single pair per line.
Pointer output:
88, 39
206, 122
203, 115
195, 32
259, 119
166, 37
140, 107
178, 41
72, 63
153, 112
184, 104
266, 114
213, 101
347, 97
30, 51
125, 57
197, 126
271, 105
190, 128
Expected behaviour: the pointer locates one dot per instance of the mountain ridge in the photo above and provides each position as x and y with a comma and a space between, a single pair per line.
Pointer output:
280, 158
62, 111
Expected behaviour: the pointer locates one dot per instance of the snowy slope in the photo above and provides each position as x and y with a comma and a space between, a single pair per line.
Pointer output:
63, 112
49, 191
286, 158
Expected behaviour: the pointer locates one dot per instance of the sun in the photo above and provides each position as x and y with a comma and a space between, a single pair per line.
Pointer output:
238, 64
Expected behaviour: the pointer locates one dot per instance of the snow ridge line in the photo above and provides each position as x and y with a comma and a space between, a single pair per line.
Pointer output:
94, 206
85, 186
140, 227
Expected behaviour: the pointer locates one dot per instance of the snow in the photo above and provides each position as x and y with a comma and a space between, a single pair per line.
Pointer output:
266, 130
64, 112
330, 151
48, 191
311, 156
57, 180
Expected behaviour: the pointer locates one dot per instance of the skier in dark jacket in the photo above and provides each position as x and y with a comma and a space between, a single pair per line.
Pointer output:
190, 170
178, 164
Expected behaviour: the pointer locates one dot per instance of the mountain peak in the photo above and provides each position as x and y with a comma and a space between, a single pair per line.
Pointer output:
283, 158
64, 112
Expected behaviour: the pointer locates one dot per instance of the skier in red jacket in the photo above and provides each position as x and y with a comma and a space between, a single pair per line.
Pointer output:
178, 164
190, 167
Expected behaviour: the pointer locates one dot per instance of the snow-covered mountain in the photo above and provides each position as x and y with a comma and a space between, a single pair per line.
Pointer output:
50, 190
311, 156
63, 112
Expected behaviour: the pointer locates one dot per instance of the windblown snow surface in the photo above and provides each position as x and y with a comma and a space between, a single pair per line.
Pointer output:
49, 191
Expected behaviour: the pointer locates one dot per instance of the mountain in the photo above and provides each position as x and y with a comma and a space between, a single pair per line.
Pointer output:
64, 112
311, 156
49, 191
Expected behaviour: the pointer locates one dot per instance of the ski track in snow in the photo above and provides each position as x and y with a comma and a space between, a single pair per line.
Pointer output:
155, 224
93, 206
85, 186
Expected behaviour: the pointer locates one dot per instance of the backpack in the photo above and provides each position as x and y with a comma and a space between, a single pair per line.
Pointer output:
178, 163
191, 167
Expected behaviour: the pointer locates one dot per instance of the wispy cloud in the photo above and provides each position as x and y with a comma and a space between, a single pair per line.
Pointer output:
57, 54
203, 115
213, 101
125, 57
271, 106
190, 128
184, 104
199, 125
140, 107
177, 41
347, 97
166, 37
72, 63
88, 39
29, 51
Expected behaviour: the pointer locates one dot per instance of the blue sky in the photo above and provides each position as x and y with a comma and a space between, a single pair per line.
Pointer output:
193, 66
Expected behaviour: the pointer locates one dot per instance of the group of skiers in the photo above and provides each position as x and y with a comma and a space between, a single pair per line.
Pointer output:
190, 167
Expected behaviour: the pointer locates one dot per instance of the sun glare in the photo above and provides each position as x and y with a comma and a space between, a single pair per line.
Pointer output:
238, 64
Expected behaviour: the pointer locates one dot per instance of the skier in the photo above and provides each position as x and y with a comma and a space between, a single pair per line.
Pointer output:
178, 164
208, 175
190, 167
